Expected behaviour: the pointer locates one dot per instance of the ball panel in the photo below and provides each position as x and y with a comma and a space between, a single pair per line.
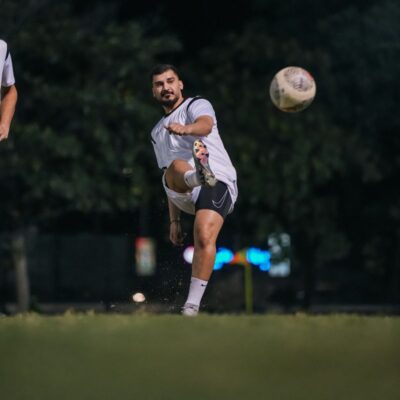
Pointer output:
292, 89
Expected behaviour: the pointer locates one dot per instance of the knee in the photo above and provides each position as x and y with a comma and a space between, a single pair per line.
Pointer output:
204, 237
177, 166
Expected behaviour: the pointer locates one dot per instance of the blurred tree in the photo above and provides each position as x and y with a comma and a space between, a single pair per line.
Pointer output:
314, 174
285, 162
361, 92
328, 176
80, 141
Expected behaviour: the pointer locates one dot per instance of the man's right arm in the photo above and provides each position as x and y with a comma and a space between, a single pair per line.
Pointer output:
9, 97
175, 228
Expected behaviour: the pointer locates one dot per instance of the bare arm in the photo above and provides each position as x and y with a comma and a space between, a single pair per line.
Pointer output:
7, 109
174, 211
175, 228
202, 126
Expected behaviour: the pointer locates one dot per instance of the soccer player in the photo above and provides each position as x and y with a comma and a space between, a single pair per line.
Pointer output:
198, 177
8, 91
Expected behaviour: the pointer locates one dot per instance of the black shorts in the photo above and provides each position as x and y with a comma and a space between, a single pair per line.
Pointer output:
215, 198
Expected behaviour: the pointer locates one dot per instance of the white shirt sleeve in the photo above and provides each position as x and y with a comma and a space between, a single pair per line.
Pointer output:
201, 107
7, 78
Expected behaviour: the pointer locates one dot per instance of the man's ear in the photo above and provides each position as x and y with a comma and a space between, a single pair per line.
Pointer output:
181, 85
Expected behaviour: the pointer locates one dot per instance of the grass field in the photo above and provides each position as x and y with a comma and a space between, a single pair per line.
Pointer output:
166, 357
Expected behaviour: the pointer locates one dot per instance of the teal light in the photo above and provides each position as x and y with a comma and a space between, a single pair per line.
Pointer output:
255, 256
224, 256
261, 258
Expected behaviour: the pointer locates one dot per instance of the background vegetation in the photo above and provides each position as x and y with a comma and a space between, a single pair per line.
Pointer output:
79, 156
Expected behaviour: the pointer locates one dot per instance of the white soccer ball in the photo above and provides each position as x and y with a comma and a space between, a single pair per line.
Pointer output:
292, 89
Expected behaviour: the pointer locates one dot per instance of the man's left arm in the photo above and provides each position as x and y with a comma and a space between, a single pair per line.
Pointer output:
202, 126
9, 97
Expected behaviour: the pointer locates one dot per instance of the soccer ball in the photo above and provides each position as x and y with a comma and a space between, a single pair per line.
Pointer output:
292, 89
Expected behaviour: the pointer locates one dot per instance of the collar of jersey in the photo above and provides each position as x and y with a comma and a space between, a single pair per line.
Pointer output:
171, 112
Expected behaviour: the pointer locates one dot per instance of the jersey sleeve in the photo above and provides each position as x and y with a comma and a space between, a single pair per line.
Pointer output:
201, 107
7, 78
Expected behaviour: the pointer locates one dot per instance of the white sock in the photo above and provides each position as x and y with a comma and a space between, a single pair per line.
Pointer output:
191, 178
196, 291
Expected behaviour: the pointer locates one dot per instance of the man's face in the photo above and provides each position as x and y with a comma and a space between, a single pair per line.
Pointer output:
167, 88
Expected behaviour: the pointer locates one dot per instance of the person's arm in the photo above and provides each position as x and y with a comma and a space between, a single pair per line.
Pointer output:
202, 126
7, 108
175, 228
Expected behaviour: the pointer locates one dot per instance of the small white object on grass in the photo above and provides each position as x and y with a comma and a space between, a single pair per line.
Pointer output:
138, 297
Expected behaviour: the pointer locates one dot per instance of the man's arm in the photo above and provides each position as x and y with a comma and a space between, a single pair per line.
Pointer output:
202, 126
7, 108
175, 228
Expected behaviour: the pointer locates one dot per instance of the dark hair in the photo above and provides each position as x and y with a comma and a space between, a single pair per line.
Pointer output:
161, 68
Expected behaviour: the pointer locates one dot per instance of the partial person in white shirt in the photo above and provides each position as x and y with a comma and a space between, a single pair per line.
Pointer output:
8, 91
198, 175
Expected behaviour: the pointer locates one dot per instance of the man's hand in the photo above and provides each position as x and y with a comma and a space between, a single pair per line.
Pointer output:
202, 126
175, 233
4, 130
178, 129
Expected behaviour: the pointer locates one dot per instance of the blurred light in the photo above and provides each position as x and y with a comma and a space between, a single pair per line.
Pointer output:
223, 256
276, 250
188, 254
281, 269
145, 256
138, 297
265, 267
259, 257
255, 256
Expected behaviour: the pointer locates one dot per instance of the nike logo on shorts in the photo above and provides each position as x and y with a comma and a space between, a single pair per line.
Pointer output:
221, 201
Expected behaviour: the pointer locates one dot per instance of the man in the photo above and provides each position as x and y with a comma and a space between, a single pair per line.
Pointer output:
198, 178
8, 91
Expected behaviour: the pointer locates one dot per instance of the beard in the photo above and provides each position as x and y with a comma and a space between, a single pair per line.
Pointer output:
168, 102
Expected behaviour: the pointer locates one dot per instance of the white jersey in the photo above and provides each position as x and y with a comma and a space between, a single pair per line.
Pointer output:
169, 147
6, 68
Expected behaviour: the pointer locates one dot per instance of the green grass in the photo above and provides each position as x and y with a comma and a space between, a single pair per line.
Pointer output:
168, 357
